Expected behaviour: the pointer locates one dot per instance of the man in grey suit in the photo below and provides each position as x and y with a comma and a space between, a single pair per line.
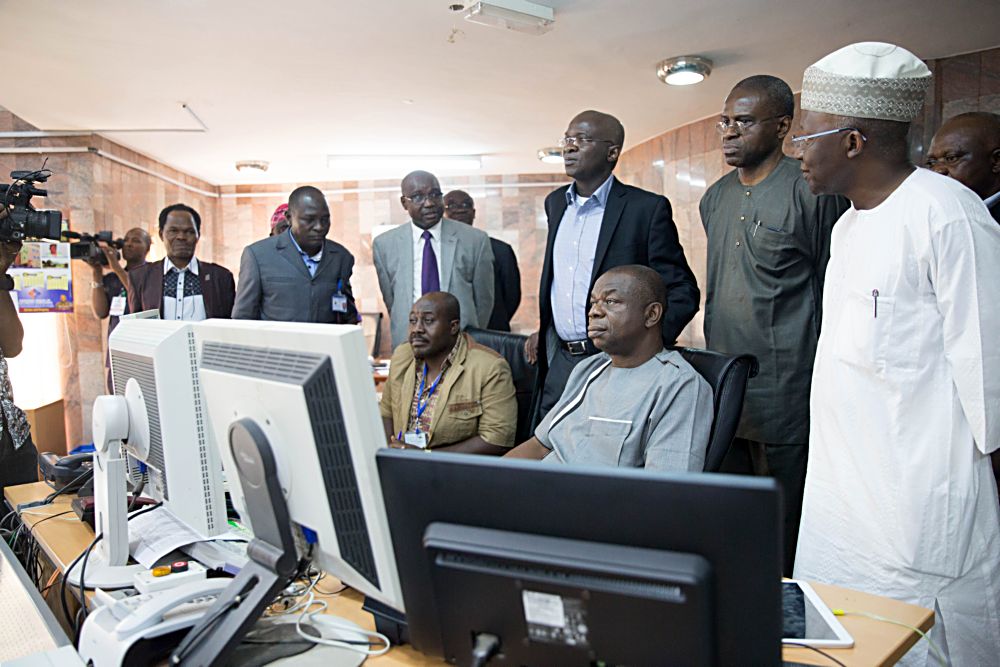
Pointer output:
298, 275
432, 254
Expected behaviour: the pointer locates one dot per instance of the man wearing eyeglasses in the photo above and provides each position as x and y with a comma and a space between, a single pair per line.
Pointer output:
595, 224
432, 254
768, 245
900, 499
967, 148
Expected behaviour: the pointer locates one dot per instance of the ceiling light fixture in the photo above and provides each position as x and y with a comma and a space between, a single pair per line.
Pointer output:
246, 165
519, 15
405, 163
684, 70
551, 155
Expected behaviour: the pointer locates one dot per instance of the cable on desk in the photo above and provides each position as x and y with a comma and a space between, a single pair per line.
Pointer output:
486, 647
813, 648
875, 617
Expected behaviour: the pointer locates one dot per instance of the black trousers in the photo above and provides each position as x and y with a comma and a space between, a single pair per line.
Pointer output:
17, 466
786, 464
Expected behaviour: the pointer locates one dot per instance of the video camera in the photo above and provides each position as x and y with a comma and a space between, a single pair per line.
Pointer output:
86, 247
18, 219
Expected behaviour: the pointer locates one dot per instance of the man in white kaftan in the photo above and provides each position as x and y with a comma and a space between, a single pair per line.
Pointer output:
900, 499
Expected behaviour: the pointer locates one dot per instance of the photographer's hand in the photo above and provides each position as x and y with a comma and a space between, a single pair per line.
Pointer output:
114, 262
8, 253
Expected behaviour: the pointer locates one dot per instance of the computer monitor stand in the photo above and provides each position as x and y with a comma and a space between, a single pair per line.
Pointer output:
272, 557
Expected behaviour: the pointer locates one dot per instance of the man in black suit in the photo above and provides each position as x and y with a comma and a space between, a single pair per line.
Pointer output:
180, 286
597, 223
298, 275
460, 207
967, 148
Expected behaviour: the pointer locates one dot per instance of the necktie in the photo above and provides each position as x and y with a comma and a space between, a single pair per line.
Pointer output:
429, 279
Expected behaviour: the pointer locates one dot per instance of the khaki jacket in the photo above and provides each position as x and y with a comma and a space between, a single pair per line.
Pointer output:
477, 396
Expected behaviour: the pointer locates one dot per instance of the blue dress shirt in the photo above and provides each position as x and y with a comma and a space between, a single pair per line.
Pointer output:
573, 260
311, 261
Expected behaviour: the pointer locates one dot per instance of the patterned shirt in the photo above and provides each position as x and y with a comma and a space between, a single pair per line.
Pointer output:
423, 424
182, 295
13, 417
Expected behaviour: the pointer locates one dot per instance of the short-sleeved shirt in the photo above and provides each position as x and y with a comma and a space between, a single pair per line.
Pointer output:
768, 246
657, 415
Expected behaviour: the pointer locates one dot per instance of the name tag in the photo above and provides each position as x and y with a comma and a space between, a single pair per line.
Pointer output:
339, 303
117, 308
415, 439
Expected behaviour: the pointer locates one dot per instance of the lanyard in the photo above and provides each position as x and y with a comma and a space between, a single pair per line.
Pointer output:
430, 392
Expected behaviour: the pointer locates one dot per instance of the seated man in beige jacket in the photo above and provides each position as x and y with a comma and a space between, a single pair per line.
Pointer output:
445, 391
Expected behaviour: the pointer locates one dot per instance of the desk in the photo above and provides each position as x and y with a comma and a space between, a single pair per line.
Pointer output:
876, 643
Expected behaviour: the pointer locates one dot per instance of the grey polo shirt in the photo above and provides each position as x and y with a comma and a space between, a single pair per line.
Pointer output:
768, 246
657, 415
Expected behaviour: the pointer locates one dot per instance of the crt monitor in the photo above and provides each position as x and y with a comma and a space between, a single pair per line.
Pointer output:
153, 428
309, 388
183, 469
573, 565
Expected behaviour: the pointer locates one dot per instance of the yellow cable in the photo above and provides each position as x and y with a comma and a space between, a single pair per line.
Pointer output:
875, 617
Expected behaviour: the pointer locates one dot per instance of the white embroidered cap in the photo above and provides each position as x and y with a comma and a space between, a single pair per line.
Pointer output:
867, 80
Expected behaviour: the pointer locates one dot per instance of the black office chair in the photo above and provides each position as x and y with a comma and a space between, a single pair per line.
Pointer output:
511, 347
728, 375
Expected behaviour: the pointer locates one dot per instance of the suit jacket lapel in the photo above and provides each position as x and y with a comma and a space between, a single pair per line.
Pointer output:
449, 242
330, 253
208, 292
404, 272
291, 255
612, 215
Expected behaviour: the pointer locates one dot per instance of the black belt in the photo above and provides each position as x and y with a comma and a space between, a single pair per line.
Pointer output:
578, 347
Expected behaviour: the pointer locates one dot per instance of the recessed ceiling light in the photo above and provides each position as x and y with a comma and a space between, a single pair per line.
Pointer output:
551, 155
684, 70
247, 165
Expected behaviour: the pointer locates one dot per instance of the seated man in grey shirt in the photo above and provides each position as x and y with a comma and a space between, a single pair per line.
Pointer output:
636, 404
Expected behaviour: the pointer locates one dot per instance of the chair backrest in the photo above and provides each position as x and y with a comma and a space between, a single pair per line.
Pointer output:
728, 375
371, 325
511, 347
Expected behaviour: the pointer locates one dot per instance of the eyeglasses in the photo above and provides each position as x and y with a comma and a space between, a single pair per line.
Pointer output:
579, 141
741, 126
419, 198
806, 139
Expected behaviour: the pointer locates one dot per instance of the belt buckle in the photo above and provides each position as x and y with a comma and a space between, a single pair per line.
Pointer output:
576, 347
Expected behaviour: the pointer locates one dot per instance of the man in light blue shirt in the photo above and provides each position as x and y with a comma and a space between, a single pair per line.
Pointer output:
596, 224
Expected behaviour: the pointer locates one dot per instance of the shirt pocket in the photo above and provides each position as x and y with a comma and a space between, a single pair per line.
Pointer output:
863, 330
605, 439
457, 425
769, 245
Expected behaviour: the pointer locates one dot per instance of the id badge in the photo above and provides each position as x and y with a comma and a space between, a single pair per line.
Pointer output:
415, 439
339, 303
117, 308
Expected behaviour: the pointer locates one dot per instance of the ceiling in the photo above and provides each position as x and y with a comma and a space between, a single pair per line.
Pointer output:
293, 82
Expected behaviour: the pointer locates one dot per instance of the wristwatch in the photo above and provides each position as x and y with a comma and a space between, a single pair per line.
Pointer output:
6, 283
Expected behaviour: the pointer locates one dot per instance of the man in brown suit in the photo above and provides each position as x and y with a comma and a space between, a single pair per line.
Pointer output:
180, 286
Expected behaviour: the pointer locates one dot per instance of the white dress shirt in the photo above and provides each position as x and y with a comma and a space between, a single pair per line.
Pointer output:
190, 308
418, 256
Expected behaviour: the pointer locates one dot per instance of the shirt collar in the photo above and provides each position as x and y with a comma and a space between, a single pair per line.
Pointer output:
192, 266
992, 199
418, 232
601, 193
317, 257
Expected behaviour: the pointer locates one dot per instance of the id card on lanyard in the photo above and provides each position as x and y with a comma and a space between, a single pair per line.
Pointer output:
339, 301
118, 303
416, 437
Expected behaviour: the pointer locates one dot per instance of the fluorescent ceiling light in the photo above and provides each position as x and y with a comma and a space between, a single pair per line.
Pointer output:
551, 155
403, 163
684, 70
520, 15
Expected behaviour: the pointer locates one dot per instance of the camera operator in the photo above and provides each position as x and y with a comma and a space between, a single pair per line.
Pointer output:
108, 296
18, 456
